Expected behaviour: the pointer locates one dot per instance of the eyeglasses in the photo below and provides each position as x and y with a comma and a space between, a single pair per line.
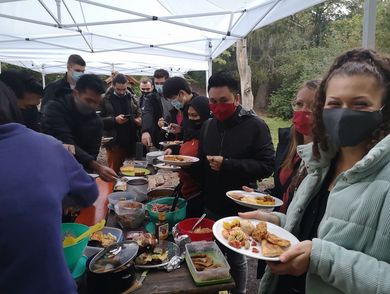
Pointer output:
300, 105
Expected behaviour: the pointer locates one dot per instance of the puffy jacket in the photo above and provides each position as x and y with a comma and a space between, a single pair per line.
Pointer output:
62, 120
55, 90
245, 143
351, 253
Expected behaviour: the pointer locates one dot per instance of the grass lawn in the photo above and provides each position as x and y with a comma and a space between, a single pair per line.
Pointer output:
274, 123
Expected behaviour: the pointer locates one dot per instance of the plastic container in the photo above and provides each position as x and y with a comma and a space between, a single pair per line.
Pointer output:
114, 231
91, 251
74, 252
186, 225
130, 214
209, 275
113, 198
173, 217
151, 157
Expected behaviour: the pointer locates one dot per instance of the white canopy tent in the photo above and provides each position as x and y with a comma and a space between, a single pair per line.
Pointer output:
133, 37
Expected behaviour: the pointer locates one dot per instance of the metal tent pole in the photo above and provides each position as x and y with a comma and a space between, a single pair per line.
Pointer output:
369, 23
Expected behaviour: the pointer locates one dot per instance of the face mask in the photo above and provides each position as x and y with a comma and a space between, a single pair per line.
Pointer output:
222, 111
347, 127
177, 104
195, 124
76, 75
83, 107
303, 121
159, 88
143, 93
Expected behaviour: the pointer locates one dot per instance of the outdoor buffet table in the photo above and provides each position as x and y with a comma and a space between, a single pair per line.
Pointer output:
157, 281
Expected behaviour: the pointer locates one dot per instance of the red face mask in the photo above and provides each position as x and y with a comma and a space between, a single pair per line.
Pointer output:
222, 111
303, 121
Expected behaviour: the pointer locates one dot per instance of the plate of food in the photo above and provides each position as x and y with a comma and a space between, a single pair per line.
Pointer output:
253, 238
178, 160
171, 143
132, 171
254, 199
157, 256
166, 166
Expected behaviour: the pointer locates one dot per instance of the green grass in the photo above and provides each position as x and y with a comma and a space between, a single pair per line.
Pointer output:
274, 123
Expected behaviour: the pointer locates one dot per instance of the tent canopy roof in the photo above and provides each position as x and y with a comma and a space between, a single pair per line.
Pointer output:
134, 35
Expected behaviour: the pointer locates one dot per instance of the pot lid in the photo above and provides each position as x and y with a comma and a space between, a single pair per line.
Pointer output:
136, 182
114, 257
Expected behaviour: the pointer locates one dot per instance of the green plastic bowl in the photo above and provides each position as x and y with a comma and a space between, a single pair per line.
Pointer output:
172, 217
74, 252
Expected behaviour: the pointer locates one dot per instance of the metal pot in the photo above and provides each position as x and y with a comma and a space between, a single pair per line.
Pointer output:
112, 270
138, 187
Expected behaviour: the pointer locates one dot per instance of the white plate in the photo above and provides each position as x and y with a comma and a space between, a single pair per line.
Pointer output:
173, 250
167, 166
170, 143
106, 139
278, 202
167, 129
274, 229
191, 160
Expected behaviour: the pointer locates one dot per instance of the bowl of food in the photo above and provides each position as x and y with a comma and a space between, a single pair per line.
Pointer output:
130, 214
74, 252
113, 198
164, 205
202, 232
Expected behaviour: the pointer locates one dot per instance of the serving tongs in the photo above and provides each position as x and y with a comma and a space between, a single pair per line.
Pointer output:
176, 194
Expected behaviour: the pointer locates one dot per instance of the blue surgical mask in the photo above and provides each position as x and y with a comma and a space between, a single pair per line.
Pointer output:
76, 75
159, 88
177, 104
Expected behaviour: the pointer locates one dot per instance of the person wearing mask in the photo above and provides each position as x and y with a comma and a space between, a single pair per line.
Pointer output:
156, 107
146, 87
121, 118
62, 87
340, 210
73, 121
28, 92
36, 175
235, 149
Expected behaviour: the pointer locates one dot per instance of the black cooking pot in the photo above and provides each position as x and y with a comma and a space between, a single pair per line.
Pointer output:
118, 279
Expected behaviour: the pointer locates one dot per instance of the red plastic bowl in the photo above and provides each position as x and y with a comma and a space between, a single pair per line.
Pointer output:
186, 225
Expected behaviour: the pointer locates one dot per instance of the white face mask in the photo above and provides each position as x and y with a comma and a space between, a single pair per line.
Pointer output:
159, 88
76, 75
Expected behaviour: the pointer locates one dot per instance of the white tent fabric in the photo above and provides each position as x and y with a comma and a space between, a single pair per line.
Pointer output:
133, 36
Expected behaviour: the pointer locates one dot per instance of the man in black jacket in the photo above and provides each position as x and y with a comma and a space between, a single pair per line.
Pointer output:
156, 107
73, 120
146, 87
121, 118
235, 149
58, 89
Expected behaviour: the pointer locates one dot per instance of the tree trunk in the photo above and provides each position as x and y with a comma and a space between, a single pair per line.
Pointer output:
245, 74
261, 97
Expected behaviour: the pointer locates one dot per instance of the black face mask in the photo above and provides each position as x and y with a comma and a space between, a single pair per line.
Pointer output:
347, 127
144, 93
195, 124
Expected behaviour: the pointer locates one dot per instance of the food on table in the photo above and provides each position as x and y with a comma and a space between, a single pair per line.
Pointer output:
142, 239
203, 261
176, 142
125, 204
128, 168
157, 207
238, 233
258, 200
156, 256
247, 227
105, 239
177, 158
139, 173
200, 230
163, 179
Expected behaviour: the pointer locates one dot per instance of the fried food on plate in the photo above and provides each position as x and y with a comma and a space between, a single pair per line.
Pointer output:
270, 250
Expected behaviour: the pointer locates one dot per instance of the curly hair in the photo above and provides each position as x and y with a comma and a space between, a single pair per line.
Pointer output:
354, 62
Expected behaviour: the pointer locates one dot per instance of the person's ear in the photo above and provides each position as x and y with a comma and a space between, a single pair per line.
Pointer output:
237, 99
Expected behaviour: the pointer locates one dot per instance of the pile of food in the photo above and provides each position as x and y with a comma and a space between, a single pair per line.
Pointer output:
144, 240
200, 230
156, 256
163, 179
203, 261
138, 172
244, 234
158, 207
104, 239
177, 158
175, 142
260, 200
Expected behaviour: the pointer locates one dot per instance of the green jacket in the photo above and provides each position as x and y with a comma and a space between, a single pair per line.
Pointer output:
352, 251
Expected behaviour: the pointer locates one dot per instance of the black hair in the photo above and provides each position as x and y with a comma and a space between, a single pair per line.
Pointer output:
146, 80
20, 82
161, 73
76, 59
90, 82
174, 85
222, 79
201, 106
9, 111
119, 79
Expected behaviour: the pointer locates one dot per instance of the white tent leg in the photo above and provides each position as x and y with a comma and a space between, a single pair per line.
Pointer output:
369, 23
209, 72
43, 80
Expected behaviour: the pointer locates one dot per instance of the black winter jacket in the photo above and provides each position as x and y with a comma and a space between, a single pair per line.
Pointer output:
62, 120
244, 141
55, 90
